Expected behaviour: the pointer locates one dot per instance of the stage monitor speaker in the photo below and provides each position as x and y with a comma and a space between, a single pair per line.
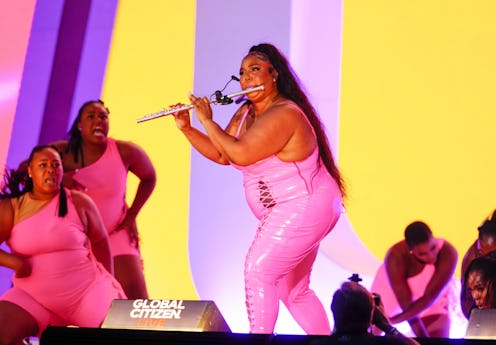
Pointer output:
481, 324
172, 315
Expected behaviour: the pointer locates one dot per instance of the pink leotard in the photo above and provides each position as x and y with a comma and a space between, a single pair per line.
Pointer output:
105, 182
297, 204
443, 304
67, 285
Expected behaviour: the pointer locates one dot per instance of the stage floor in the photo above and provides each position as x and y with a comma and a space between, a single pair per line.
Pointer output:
97, 336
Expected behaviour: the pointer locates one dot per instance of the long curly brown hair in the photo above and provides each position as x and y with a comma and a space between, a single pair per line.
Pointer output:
289, 86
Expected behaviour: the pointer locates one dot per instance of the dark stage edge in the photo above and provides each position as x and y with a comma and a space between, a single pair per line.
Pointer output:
96, 336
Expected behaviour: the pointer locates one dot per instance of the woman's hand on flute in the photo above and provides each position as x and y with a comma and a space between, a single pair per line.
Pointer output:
182, 117
202, 107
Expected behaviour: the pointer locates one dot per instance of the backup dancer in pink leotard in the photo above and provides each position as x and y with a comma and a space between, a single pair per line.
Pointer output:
99, 166
55, 237
105, 182
291, 182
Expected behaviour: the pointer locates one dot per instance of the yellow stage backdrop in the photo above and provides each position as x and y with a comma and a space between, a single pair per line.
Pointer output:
418, 117
416, 120
150, 68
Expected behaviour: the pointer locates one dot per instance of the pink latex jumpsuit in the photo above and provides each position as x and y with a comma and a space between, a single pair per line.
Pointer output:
297, 204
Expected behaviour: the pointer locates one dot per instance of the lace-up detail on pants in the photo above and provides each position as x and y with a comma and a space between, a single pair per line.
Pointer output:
266, 197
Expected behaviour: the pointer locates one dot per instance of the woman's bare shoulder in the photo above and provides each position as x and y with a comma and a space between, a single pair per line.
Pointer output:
61, 145
80, 199
397, 251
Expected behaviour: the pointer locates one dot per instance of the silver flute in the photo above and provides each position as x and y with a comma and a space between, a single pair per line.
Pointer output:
189, 106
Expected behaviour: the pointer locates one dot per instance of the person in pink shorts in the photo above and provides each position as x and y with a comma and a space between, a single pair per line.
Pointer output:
98, 166
291, 181
59, 252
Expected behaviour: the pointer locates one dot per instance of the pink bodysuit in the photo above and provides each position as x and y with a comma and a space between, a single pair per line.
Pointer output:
297, 203
67, 285
443, 304
105, 182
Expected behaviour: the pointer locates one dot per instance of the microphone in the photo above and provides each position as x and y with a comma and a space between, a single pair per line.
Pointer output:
218, 96
222, 100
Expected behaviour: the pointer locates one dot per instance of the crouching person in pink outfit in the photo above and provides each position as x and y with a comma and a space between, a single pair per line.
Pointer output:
59, 253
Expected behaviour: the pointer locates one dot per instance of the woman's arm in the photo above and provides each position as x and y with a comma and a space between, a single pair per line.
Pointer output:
61, 145
95, 230
396, 268
200, 141
269, 134
20, 266
445, 267
138, 162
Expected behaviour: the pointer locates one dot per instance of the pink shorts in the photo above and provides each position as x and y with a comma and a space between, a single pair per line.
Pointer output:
43, 316
90, 311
